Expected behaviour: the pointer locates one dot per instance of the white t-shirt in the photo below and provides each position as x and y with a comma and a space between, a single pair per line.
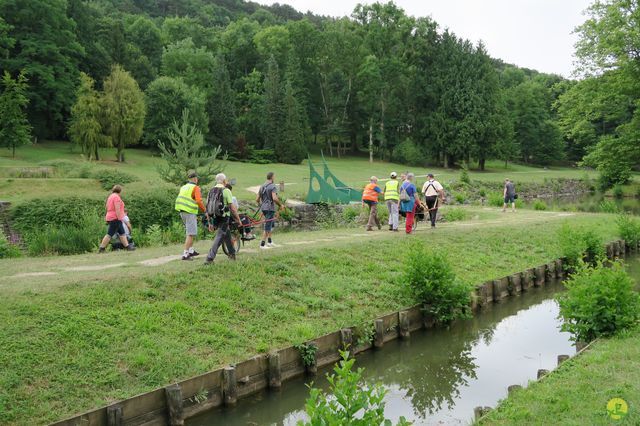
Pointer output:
125, 222
431, 188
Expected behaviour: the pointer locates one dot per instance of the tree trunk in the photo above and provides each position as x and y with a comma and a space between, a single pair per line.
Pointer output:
446, 160
481, 162
13, 149
370, 141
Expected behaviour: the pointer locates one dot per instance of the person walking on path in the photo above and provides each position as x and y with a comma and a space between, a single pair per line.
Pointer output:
509, 194
408, 201
370, 198
392, 199
115, 215
268, 199
188, 204
221, 213
433, 193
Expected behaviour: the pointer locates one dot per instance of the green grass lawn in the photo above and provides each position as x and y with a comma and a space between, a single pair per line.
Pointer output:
80, 339
354, 171
577, 392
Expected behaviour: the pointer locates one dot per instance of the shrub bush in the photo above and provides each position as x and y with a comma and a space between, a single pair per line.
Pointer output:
618, 192
110, 177
407, 152
155, 206
433, 283
629, 229
349, 400
40, 213
539, 205
579, 246
608, 206
496, 200
464, 176
351, 214
8, 250
460, 197
455, 214
262, 156
66, 239
599, 301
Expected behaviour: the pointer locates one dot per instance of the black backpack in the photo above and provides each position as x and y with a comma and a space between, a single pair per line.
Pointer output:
215, 203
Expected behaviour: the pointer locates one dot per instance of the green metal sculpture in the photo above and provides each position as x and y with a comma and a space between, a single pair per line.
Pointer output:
328, 188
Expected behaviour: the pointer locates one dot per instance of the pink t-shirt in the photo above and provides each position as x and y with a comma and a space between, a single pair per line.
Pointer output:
115, 208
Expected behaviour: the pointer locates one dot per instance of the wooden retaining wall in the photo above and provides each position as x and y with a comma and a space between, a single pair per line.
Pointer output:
179, 401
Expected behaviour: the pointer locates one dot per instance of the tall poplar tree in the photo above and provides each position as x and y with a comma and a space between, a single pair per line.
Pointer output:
124, 110
85, 128
14, 127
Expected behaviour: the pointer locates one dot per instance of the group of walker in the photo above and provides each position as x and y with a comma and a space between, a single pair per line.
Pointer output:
221, 210
221, 213
401, 197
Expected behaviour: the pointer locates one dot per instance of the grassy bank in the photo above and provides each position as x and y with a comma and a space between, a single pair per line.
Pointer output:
578, 391
142, 163
83, 338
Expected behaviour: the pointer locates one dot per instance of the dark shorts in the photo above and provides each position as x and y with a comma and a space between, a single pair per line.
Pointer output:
115, 227
268, 217
510, 198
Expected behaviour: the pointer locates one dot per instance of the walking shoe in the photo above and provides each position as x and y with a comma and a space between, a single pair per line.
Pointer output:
271, 245
395, 230
194, 253
264, 247
390, 227
101, 250
207, 261
187, 257
131, 247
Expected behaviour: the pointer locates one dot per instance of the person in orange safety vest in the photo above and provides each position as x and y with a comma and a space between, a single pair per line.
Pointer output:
370, 198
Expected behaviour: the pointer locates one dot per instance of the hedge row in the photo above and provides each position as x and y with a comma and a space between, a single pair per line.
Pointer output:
145, 209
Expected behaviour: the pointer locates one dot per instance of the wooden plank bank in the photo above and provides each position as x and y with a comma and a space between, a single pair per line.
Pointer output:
176, 402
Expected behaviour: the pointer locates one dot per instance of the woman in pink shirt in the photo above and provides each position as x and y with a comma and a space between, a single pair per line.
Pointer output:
115, 214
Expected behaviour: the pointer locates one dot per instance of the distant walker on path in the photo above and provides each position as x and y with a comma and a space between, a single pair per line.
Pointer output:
509, 194
392, 199
267, 200
370, 198
433, 193
221, 210
115, 215
188, 204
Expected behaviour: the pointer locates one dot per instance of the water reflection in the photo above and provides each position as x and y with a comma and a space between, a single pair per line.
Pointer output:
438, 375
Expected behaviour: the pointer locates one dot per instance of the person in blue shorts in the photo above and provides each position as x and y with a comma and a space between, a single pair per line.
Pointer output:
268, 199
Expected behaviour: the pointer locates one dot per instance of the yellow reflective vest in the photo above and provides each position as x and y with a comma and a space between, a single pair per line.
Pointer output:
184, 202
391, 190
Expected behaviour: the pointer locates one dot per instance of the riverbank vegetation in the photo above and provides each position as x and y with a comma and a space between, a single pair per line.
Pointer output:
578, 391
81, 338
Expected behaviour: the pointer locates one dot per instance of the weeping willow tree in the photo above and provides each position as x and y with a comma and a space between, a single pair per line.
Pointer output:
85, 129
187, 151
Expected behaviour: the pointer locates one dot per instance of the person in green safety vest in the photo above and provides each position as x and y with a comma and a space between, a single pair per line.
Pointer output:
189, 204
392, 199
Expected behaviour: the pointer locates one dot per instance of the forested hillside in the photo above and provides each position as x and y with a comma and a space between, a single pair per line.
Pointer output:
271, 82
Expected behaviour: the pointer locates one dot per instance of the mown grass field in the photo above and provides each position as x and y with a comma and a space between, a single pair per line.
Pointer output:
577, 392
79, 339
354, 171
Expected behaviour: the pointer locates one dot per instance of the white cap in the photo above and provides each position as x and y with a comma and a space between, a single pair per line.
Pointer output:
394, 174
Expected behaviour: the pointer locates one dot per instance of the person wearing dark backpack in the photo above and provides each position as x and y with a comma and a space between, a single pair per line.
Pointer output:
268, 199
221, 210
189, 204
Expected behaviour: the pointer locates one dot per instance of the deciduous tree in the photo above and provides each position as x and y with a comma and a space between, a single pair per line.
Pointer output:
14, 128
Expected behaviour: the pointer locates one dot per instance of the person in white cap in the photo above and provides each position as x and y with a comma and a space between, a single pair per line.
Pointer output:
392, 199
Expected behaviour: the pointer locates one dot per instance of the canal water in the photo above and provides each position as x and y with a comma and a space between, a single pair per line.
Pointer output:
439, 375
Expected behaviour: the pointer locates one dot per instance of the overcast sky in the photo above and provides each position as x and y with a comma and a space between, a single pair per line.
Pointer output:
529, 33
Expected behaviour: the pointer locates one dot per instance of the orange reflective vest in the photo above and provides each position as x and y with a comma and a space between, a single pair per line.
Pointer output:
369, 193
